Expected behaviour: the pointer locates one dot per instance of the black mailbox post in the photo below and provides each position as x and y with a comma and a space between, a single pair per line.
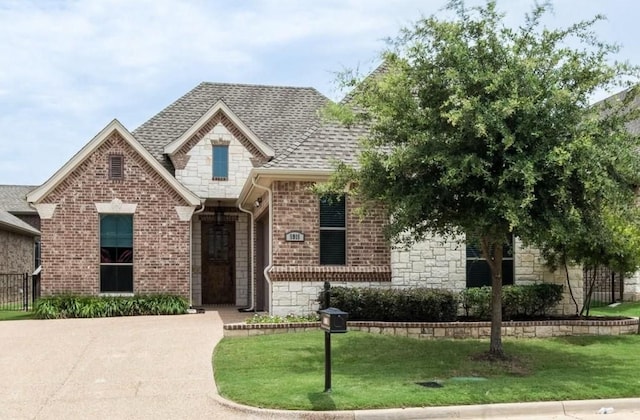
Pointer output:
332, 320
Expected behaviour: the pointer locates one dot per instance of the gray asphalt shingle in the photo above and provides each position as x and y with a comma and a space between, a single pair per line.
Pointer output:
280, 116
13, 198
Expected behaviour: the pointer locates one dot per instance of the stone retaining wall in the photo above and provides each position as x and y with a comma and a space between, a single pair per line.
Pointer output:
435, 330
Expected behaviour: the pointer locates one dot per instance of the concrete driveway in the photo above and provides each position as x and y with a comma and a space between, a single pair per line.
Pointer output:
151, 367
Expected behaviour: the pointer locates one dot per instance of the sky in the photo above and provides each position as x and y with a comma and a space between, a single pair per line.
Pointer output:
69, 67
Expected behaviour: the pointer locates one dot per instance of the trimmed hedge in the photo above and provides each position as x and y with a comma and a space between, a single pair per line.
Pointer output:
73, 306
395, 305
518, 301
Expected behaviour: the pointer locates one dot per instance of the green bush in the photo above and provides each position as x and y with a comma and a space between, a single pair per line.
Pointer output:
476, 302
518, 301
408, 305
72, 306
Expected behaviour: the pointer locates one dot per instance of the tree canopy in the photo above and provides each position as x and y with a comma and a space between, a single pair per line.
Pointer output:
484, 130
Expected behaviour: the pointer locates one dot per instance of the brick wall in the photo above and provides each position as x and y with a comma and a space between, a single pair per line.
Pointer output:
297, 275
70, 239
296, 208
16, 252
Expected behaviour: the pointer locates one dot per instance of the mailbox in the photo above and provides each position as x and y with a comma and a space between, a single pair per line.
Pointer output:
333, 320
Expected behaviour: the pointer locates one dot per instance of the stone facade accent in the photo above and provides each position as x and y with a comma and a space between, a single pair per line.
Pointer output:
16, 252
449, 330
530, 269
431, 263
632, 287
70, 238
194, 160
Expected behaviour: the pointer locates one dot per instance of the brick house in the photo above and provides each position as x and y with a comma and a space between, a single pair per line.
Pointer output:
209, 199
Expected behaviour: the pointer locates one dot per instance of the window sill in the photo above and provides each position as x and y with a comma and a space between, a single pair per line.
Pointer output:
116, 294
220, 178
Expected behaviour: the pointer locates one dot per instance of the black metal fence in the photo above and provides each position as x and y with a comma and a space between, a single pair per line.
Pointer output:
18, 291
603, 286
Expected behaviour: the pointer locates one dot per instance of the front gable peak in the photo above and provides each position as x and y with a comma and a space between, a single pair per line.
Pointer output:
216, 116
36, 196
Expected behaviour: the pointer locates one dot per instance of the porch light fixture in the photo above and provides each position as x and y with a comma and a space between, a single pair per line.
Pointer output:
258, 202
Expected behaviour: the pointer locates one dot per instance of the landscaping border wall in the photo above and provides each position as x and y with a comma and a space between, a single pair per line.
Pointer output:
436, 330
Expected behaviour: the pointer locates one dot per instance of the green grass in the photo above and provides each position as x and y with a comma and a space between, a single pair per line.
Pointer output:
624, 309
375, 371
15, 315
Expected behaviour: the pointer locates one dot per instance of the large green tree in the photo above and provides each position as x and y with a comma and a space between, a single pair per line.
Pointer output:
483, 130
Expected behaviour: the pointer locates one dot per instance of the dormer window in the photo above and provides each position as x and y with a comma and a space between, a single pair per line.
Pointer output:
220, 162
116, 167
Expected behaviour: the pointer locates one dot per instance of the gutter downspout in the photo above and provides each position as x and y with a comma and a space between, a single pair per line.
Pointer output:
270, 265
252, 303
200, 210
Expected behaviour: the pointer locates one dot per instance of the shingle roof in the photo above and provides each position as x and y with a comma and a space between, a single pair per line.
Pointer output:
279, 115
632, 126
13, 198
10, 222
321, 147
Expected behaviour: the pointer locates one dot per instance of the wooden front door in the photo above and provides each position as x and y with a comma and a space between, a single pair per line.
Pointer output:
218, 263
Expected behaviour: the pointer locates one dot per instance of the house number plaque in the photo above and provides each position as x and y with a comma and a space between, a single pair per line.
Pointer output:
294, 236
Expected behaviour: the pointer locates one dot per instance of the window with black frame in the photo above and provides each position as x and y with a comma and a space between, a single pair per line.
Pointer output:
333, 230
478, 271
116, 253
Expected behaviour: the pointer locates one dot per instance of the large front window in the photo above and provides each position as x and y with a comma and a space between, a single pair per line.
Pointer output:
333, 231
116, 253
478, 271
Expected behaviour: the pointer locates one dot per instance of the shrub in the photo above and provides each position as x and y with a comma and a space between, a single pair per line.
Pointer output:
408, 305
518, 301
476, 302
72, 306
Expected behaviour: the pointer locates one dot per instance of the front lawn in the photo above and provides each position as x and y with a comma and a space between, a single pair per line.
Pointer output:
624, 309
375, 371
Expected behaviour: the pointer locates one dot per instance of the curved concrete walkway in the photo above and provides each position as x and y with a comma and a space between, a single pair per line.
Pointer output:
160, 368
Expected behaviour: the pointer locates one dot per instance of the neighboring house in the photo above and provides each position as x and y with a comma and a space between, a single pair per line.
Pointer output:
19, 234
17, 245
210, 199
13, 199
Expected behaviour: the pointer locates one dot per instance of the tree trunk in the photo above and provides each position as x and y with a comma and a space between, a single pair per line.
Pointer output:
492, 252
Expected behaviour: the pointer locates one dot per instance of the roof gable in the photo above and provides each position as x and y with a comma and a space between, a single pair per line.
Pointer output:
41, 192
12, 223
220, 107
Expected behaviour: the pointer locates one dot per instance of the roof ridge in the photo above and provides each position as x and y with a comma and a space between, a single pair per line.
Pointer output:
259, 85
